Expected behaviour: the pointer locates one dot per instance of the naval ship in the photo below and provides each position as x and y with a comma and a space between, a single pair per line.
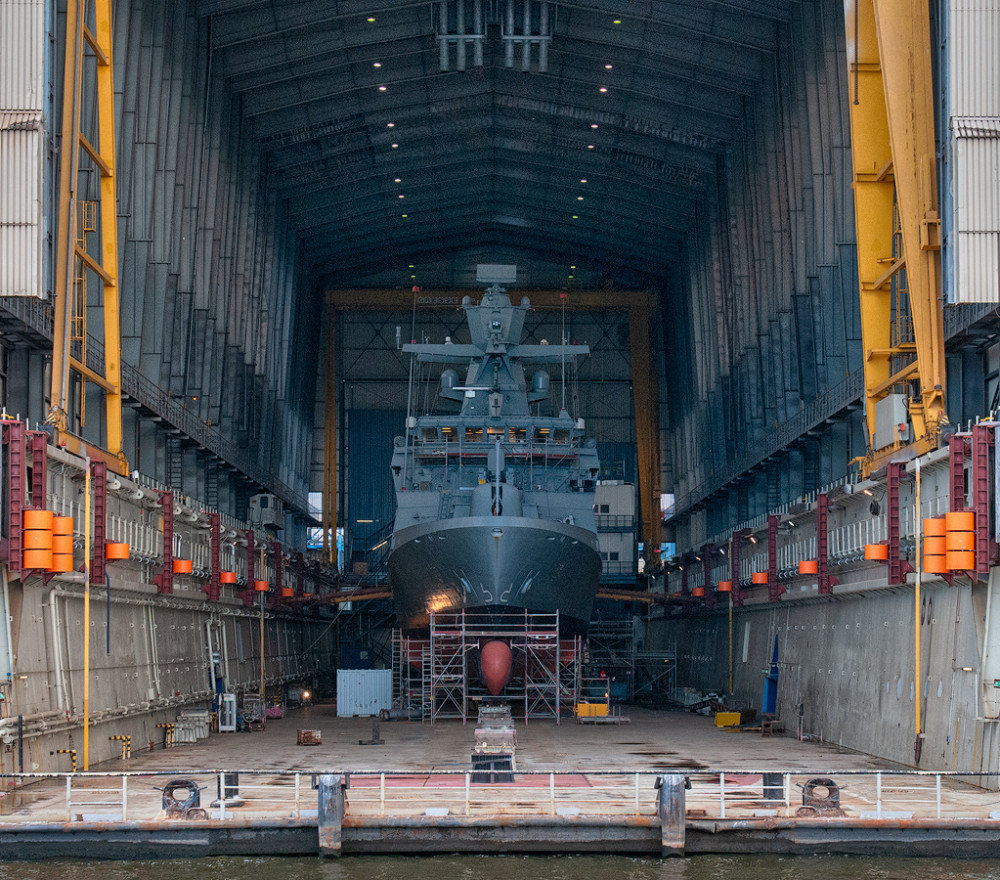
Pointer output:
495, 504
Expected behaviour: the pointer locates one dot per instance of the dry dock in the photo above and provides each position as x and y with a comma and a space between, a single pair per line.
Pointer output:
668, 782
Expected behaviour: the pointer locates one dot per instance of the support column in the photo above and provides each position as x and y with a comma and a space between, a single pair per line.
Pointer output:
670, 806
331, 813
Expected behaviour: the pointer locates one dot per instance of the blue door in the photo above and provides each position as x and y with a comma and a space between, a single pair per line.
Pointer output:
771, 683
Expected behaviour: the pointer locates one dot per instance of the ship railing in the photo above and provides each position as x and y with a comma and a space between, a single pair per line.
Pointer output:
741, 795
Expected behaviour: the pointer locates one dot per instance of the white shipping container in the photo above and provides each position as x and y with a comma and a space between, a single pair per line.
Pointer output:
21, 150
363, 691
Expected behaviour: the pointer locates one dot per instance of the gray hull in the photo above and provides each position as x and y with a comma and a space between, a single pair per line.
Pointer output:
497, 564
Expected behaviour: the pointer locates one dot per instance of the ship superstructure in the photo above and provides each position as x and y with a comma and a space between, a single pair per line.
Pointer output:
495, 503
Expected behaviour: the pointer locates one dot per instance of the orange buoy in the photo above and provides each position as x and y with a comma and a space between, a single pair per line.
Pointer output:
725, 586
37, 559
183, 566
960, 541
261, 586
62, 544
960, 521
116, 550
878, 552
37, 539
37, 519
227, 577
61, 562
759, 577
961, 560
809, 566
287, 592
936, 563
697, 592
936, 545
935, 526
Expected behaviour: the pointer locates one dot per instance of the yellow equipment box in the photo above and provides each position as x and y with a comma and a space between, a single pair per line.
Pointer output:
727, 719
591, 710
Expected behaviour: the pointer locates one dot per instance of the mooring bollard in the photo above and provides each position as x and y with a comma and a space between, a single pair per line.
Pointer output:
331, 813
671, 808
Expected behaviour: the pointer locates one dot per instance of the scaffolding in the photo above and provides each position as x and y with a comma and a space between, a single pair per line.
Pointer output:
617, 658
437, 674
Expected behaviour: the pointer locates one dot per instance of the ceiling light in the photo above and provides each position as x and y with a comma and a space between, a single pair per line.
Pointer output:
616, 21
395, 146
402, 196
379, 64
570, 277
398, 179
412, 277
583, 180
390, 125
576, 216
579, 198
372, 18
753, 539
381, 88
608, 67
593, 125
590, 146
404, 216
572, 267
604, 90
410, 266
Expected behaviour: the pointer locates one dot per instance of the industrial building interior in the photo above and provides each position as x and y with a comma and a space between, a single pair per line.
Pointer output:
773, 223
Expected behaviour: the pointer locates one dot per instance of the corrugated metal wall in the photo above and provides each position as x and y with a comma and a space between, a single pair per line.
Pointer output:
974, 109
211, 286
22, 58
762, 320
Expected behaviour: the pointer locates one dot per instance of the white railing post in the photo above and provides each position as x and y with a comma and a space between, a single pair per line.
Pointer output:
69, 798
878, 795
124, 798
788, 788
722, 795
381, 794
937, 793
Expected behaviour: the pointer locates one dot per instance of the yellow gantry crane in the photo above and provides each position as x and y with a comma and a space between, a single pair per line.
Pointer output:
80, 263
891, 100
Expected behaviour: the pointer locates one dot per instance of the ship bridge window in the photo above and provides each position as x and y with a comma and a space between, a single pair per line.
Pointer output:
494, 433
541, 435
473, 435
429, 435
448, 432
561, 435
517, 435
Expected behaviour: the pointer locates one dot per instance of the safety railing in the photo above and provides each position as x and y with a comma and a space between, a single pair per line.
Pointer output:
849, 796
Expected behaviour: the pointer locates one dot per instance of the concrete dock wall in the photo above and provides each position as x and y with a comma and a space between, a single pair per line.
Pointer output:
848, 661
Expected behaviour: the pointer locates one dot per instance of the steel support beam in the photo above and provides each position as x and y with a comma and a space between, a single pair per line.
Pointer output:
892, 145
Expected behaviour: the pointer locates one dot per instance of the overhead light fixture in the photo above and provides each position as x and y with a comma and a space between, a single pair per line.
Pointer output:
395, 146
616, 21
590, 146
572, 267
404, 216
593, 125
377, 64
402, 196
868, 492
371, 18
753, 539
579, 198
583, 180
608, 67
381, 88
603, 90
398, 179
576, 216
390, 125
